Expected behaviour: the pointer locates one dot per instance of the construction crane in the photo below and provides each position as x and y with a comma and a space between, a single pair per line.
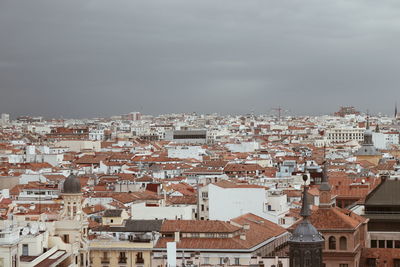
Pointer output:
280, 111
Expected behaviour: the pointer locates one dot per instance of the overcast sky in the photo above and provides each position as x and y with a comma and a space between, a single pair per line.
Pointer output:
86, 58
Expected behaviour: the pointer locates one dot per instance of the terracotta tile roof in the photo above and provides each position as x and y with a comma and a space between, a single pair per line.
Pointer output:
196, 226
260, 231
55, 177
204, 243
333, 219
93, 209
91, 159
229, 184
188, 200
242, 167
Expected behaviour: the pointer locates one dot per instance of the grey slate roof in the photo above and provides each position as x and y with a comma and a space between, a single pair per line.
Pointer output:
385, 194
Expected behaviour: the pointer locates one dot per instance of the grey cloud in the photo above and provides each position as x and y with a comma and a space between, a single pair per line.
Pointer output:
97, 57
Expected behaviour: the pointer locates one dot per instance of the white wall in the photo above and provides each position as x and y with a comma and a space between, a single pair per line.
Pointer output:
79, 145
228, 203
184, 152
383, 140
243, 147
139, 211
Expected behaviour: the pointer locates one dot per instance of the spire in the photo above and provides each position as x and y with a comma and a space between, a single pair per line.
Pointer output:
367, 120
325, 186
395, 110
305, 209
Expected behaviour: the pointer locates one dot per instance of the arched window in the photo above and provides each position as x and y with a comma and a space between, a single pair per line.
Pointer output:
307, 259
343, 243
332, 242
296, 259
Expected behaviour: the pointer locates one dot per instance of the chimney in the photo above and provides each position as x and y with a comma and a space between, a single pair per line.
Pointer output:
246, 226
177, 237
243, 236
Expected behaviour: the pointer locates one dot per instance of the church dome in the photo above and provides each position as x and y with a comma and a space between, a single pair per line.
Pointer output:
305, 232
71, 185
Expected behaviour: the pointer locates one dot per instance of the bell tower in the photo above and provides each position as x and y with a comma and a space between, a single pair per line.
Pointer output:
72, 198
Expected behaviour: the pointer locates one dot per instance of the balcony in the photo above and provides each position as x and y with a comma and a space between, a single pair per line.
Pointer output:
122, 260
105, 260
139, 261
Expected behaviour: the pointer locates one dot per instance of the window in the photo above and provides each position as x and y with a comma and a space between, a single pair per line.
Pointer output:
307, 259
139, 257
66, 238
396, 262
343, 243
397, 244
25, 250
206, 260
122, 257
381, 243
389, 243
343, 265
374, 243
332, 242
237, 261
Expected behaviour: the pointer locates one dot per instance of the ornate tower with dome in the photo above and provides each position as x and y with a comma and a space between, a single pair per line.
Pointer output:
72, 225
305, 244
72, 197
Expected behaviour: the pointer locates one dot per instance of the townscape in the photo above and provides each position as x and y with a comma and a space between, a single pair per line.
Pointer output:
201, 190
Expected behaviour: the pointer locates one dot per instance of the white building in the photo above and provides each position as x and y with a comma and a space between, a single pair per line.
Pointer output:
243, 147
96, 135
344, 134
385, 140
140, 211
185, 152
227, 200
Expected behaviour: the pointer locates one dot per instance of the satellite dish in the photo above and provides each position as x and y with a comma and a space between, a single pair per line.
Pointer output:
34, 228
25, 231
